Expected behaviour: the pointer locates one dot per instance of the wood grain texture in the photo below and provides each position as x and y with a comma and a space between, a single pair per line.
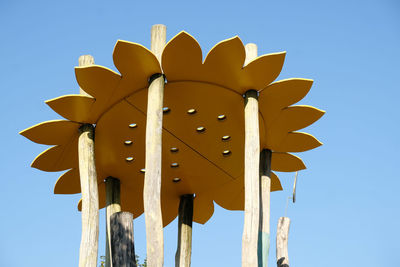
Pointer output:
282, 236
184, 249
113, 205
251, 175
90, 198
265, 193
122, 244
158, 39
85, 60
152, 181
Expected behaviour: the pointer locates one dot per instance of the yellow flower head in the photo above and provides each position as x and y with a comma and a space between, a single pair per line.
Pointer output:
203, 124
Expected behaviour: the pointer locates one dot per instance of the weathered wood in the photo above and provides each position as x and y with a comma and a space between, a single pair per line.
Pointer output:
265, 193
152, 181
251, 175
122, 244
90, 198
90, 195
85, 60
184, 250
113, 205
282, 236
158, 39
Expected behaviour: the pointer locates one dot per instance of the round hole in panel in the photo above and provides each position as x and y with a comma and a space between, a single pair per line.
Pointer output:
221, 117
176, 180
174, 149
166, 110
226, 138
128, 142
226, 153
129, 159
174, 165
132, 125
201, 129
191, 111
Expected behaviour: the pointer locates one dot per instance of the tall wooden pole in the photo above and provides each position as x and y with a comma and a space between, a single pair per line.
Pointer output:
113, 205
251, 174
122, 245
185, 221
90, 196
85, 60
282, 237
265, 192
152, 180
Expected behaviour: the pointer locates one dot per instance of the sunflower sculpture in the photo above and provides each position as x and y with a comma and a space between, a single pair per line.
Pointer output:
203, 124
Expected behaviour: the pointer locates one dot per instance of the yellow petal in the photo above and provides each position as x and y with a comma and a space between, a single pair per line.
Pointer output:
285, 162
169, 210
54, 132
298, 117
135, 62
203, 208
76, 108
280, 95
275, 183
182, 58
97, 81
260, 72
224, 63
68, 183
297, 142
58, 158
231, 195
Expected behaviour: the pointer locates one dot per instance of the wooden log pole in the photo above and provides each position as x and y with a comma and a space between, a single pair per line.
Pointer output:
85, 60
265, 192
251, 173
90, 198
282, 237
122, 244
185, 221
113, 205
152, 180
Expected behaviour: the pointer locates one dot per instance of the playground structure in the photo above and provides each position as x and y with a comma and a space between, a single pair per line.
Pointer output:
170, 135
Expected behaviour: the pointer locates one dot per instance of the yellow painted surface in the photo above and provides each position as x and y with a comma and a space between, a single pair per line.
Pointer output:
203, 126
68, 183
55, 132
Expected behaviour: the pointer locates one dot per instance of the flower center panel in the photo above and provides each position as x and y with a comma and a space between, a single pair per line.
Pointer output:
120, 153
208, 118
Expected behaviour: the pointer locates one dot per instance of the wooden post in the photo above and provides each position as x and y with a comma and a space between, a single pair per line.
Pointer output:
122, 245
282, 236
85, 60
251, 173
184, 250
90, 198
113, 205
90, 195
152, 180
265, 192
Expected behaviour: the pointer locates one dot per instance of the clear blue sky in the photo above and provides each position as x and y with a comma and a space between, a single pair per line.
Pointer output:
347, 211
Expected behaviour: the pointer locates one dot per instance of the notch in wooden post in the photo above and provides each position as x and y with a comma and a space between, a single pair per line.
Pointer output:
282, 237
